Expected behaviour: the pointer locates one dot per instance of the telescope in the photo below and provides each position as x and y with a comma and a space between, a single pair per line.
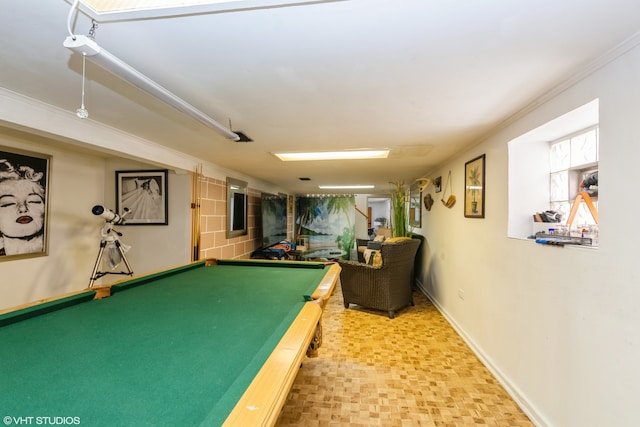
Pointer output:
109, 215
110, 243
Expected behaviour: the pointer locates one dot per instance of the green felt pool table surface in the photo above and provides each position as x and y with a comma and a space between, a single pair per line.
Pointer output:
179, 347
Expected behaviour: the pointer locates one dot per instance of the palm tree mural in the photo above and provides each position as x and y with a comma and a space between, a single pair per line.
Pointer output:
274, 219
307, 209
333, 214
346, 206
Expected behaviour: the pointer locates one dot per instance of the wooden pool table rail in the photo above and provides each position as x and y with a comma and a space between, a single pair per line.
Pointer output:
263, 400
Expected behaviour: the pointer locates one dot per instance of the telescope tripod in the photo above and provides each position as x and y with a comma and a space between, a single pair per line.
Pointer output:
109, 238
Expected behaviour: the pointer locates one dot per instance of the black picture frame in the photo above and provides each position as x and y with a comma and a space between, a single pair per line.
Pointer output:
474, 187
144, 194
24, 206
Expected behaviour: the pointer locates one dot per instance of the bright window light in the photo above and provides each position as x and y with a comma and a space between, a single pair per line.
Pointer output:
119, 6
345, 187
333, 155
112, 10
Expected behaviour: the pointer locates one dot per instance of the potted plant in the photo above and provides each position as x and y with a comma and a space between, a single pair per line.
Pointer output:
400, 220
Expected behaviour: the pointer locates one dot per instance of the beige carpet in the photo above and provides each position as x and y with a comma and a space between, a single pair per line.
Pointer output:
413, 370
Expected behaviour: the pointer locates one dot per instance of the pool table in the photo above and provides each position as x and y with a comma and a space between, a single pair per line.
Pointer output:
215, 342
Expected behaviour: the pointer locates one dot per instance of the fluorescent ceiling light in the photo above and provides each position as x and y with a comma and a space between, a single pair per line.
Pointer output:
85, 46
333, 155
346, 187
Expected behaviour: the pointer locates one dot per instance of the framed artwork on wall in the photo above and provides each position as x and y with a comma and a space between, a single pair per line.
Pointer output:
24, 185
474, 186
144, 194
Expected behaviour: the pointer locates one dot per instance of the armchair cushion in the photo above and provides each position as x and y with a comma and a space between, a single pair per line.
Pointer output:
397, 239
373, 257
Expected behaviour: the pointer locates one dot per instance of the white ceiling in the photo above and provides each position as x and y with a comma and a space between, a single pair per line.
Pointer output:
425, 78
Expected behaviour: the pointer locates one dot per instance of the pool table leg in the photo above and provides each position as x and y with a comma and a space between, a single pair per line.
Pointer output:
316, 341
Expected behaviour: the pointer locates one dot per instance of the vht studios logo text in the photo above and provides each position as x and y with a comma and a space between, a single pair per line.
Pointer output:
41, 421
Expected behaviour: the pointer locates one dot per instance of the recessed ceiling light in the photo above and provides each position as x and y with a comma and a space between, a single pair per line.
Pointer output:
346, 187
333, 155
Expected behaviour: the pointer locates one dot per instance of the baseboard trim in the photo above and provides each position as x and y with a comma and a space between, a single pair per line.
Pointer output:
512, 390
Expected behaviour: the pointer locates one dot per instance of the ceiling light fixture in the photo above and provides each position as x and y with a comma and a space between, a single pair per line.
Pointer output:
346, 187
89, 48
333, 155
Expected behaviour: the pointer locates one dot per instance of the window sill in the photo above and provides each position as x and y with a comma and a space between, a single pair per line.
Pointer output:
581, 246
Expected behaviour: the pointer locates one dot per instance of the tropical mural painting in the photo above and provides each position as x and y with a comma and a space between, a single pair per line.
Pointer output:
274, 219
328, 222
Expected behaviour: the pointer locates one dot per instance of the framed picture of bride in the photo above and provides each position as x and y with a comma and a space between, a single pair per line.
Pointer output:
141, 197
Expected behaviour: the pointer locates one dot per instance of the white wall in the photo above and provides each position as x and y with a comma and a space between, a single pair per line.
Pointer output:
361, 220
560, 327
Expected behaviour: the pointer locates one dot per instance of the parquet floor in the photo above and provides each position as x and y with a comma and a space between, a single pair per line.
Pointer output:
413, 370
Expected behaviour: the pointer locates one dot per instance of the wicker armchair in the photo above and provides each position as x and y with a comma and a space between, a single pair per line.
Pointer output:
387, 287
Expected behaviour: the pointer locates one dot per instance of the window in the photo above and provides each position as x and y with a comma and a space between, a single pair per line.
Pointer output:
571, 160
546, 166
